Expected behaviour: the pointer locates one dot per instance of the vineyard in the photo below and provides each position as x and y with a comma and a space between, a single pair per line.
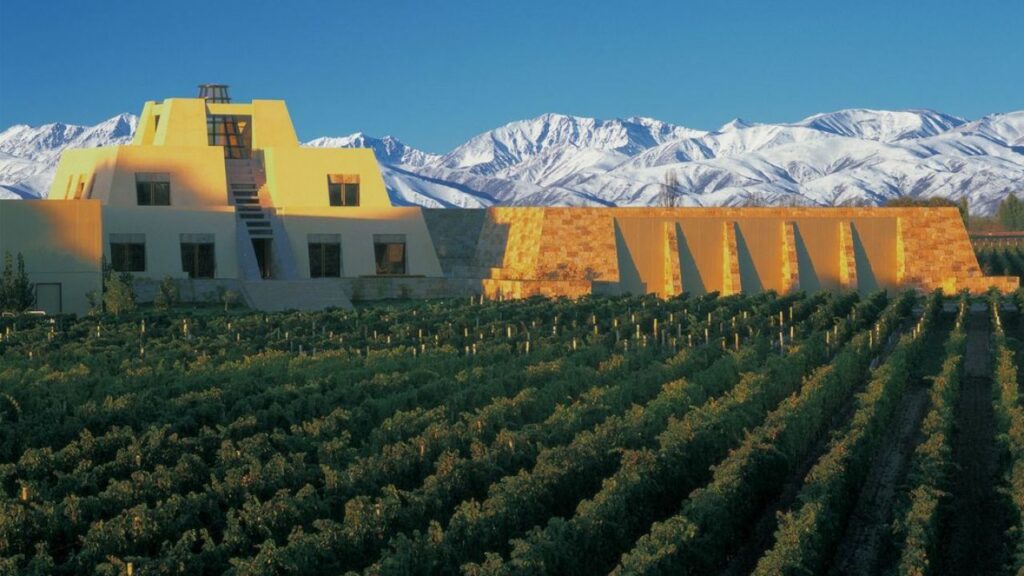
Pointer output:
765, 434
1001, 259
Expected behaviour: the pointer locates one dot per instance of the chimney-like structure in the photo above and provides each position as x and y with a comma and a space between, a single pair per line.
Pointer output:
214, 93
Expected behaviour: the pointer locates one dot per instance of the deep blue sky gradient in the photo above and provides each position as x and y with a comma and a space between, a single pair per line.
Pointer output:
436, 73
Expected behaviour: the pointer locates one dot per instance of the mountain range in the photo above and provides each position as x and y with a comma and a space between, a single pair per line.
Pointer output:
853, 156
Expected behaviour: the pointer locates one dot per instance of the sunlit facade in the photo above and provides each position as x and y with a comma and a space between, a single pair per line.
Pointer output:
220, 195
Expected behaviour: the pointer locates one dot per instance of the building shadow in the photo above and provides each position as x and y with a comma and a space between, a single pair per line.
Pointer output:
809, 279
693, 283
629, 275
750, 280
867, 281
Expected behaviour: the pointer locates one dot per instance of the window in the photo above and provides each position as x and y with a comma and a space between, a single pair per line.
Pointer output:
153, 188
231, 132
324, 255
389, 252
128, 252
197, 255
343, 189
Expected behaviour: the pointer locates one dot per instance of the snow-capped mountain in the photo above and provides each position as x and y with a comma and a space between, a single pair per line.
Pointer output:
29, 155
882, 125
842, 157
388, 149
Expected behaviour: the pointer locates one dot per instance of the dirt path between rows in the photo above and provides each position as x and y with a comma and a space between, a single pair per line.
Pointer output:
762, 535
973, 538
867, 531
868, 535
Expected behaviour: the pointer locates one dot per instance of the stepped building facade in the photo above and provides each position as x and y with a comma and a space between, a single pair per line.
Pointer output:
220, 196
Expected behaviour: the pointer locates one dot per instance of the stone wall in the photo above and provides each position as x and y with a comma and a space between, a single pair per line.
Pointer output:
560, 251
455, 234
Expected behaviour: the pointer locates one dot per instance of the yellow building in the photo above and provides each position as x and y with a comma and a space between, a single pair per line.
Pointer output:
220, 195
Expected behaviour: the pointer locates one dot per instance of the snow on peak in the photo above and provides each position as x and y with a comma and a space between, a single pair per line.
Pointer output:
502, 150
854, 155
882, 125
45, 143
735, 124
1006, 128
389, 150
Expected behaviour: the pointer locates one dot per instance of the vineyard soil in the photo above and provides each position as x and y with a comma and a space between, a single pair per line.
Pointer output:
973, 543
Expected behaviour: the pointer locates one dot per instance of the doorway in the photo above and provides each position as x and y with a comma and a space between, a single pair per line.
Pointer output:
264, 256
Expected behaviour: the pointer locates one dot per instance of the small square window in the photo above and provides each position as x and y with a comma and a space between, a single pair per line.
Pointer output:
389, 253
343, 189
324, 255
197, 255
128, 252
153, 189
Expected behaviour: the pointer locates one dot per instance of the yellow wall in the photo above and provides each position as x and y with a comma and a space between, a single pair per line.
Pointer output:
874, 241
182, 123
641, 247
759, 243
145, 130
272, 126
60, 242
701, 255
357, 227
196, 174
94, 166
297, 177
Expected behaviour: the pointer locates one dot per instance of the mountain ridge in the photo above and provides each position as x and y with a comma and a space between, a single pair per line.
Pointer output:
849, 156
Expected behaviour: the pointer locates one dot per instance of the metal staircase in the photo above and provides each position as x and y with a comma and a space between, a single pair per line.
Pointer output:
245, 179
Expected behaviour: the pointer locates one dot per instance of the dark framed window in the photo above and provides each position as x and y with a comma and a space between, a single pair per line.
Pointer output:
128, 252
389, 253
324, 255
231, 132
197, 255
343, 189
153, 188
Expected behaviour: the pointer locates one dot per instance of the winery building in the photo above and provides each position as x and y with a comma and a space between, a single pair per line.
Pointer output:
220, 195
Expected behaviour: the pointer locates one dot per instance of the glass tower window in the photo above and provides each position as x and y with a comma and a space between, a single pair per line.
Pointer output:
231, 132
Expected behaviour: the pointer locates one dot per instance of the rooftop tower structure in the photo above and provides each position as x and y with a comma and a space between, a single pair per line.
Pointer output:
214, 93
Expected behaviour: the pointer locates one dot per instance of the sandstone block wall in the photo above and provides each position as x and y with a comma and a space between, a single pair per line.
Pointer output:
568, 251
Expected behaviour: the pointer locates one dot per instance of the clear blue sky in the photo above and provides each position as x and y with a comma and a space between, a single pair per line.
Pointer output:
436, 73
